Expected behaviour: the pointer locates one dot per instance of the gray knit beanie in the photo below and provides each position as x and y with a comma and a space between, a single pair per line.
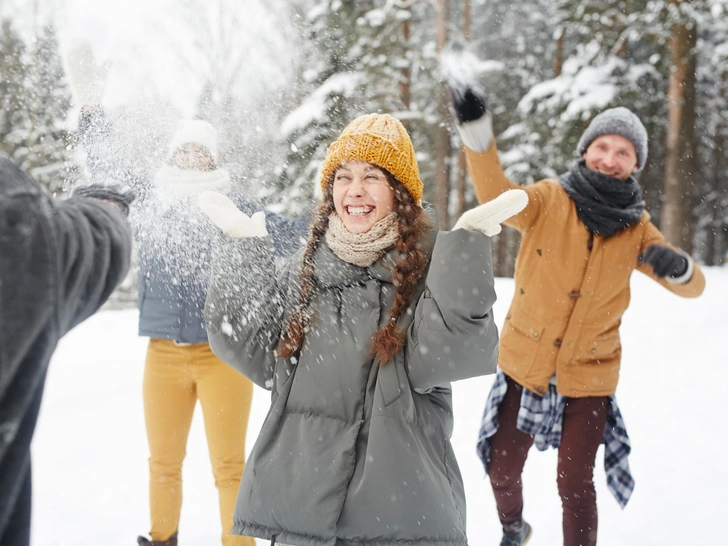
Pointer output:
617, 121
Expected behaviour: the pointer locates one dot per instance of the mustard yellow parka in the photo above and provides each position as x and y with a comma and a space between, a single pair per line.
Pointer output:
569, 300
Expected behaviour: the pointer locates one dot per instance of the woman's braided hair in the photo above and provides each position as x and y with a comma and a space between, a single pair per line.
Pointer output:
412, 225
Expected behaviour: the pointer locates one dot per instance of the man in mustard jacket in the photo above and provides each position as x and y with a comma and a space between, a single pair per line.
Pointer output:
582, 236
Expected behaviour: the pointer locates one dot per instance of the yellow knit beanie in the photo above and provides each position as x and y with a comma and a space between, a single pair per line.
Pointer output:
381, 140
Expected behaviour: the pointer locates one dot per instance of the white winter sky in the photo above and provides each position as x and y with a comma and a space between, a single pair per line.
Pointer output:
149, 43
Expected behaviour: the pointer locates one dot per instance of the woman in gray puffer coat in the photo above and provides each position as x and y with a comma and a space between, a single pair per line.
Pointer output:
358, 338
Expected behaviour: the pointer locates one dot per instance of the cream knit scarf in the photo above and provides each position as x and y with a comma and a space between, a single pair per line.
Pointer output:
171, 180
362, 249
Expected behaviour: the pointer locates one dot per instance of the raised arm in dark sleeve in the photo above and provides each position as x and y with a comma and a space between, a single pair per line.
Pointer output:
94, 246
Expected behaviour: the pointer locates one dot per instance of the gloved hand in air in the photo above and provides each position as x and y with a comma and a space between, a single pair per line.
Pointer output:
115, 194
469, 100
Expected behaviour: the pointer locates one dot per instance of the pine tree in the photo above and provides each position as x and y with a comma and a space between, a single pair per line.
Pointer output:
357, 64
608, 54
605, 64
35, 102
516, 43
711, 210
241, 96
12, 91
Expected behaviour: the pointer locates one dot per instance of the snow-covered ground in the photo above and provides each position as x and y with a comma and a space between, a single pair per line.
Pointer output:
90, 452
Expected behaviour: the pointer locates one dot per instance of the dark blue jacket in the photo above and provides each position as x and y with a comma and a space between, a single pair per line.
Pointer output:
174, 240
59, 262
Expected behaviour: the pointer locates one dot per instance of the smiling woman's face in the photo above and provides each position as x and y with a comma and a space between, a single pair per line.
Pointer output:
362, 195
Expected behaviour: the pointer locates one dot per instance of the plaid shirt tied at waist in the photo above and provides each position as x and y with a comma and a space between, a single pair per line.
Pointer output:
542, 417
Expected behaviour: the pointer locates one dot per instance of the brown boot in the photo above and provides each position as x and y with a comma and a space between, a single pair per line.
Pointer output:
144, 541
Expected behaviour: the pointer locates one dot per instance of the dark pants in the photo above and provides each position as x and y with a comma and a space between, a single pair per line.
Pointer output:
15, 482
17, 531
583, 430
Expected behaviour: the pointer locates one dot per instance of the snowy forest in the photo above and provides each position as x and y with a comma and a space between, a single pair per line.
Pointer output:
281, 78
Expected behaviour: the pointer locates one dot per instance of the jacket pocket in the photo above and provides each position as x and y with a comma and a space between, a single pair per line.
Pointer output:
388, 378
520, 342
596, 350
530, 327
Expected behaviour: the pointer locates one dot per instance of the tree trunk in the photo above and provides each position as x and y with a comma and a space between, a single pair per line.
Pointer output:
716, 247
467, 20
559, 52
505, 250
405, 90
676, 221
442, 134
461, 182
462, 166
514, 245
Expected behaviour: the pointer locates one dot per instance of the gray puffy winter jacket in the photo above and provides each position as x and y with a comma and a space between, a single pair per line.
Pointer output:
352, 452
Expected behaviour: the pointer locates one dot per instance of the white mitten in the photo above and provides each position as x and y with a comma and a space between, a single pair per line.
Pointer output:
477, 135
487, 217
86, 77
229, 218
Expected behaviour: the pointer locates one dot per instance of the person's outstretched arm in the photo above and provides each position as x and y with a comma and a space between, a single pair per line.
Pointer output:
106, 165
246, 300
93, 241
474, 123
671, 267
453, 335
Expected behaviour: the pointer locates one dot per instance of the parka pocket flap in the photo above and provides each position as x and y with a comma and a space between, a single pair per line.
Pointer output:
600, 348
389, 382
527, 325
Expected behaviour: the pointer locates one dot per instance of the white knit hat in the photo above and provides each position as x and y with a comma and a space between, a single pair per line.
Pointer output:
195, 131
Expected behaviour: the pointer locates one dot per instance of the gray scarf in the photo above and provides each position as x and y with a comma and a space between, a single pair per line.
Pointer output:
606, 205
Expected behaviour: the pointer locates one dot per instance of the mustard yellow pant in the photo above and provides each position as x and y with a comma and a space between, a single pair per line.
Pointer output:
175, 377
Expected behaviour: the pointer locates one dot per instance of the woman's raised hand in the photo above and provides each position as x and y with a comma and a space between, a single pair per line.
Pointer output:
229, 218
487, 217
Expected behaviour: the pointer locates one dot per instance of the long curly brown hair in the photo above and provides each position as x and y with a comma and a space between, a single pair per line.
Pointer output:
412, 225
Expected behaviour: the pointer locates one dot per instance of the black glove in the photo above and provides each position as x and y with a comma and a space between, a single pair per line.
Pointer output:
468, 103
664, 261
119, 196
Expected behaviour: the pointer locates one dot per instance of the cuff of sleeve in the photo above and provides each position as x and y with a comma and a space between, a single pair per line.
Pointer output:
477, 135
685, 277
462, 223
